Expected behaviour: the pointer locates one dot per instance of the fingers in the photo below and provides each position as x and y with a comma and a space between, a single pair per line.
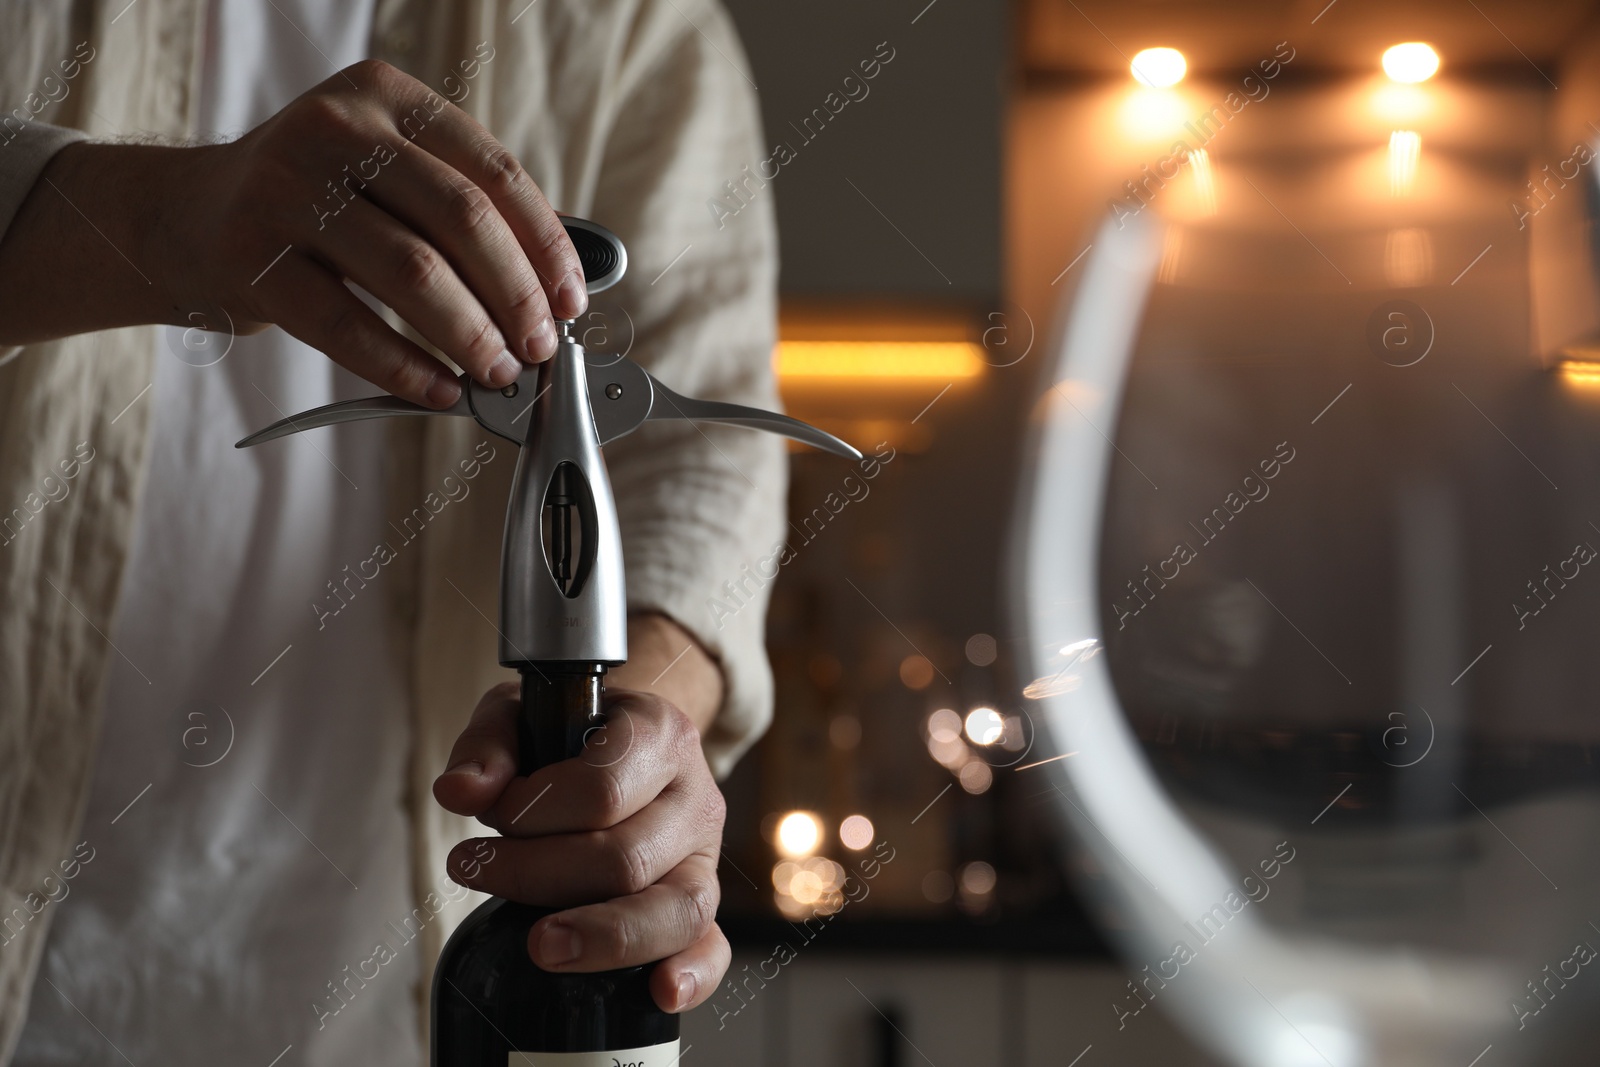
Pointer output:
320, 311
688, 979
661, 921
406, 272
645, 746
459, 141
417, 203
561, 870
462, 221
484, 758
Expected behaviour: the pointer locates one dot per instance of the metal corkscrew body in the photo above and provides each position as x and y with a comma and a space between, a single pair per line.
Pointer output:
563, 594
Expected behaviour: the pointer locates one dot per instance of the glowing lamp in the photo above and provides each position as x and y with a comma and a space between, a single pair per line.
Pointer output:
1159, 68
1411, 62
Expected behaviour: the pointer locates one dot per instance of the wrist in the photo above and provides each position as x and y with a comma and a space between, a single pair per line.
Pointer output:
667, 660
128, 209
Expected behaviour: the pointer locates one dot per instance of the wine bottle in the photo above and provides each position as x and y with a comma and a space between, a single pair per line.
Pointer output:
492, 1006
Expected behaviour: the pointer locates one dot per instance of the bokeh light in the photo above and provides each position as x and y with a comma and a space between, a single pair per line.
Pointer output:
981, 650
938, 887
985, 726
977, 879
944, 725
814, 886
976, 777
844, 731
916, 672
799, 833
856, 832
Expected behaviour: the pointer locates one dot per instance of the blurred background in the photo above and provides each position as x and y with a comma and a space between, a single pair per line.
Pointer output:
1280, 210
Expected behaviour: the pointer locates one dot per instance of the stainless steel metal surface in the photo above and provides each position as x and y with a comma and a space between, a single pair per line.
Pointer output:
674, 406
538, 621
372, 407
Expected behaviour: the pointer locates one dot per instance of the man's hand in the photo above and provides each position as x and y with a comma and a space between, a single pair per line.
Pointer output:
634, 823
369, 176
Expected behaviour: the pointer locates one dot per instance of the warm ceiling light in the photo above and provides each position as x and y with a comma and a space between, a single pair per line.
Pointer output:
890, 361
1411, 62
1581, 372
1159, 68
799, 834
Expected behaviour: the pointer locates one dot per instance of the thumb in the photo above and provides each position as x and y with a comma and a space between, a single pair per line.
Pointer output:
484, 759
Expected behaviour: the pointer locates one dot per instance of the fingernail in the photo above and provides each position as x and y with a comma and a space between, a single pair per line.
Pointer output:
444, 391
559, 944
572, 298
470, 766
686, 985
544, 340
504, 370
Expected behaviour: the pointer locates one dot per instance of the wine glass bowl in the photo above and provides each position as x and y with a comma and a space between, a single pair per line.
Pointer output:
1302, 570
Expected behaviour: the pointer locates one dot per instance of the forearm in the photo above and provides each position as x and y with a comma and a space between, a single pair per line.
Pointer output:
85, 251
665, 660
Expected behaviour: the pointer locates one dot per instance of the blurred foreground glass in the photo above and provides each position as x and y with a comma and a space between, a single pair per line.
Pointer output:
1305, 572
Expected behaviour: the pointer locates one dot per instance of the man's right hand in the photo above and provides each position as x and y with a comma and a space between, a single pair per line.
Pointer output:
369, 176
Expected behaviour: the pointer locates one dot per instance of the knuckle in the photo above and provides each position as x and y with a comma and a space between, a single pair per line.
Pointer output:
618, 937
485, 343
527, 298
629, 871
407, 379
342, 328
699, 903
471, 211
372, 73
554, 246
610, 803
418, 267
501, 171
716, 811
682, 738
322, 116
677, 722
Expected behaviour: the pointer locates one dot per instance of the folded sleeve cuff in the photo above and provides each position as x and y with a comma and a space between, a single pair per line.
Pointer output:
24, 151
23, 157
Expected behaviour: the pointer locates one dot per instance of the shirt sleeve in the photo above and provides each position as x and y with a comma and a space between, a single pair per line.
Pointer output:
701, 506
24, 151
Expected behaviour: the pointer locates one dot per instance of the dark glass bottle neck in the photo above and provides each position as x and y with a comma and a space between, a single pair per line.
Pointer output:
560, 705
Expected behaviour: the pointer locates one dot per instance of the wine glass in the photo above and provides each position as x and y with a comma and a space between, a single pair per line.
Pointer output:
1304, 568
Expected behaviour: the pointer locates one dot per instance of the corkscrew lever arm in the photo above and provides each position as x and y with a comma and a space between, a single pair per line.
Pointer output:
372, 407
671, 405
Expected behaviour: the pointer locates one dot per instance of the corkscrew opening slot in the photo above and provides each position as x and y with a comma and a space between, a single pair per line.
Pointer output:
567, 529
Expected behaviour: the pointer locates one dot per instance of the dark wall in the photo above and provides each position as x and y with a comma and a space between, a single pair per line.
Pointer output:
921, 144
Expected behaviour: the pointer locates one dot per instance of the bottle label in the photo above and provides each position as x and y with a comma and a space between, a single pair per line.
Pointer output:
662, 1055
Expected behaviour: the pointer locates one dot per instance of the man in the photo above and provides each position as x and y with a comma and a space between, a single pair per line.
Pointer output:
223, 713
